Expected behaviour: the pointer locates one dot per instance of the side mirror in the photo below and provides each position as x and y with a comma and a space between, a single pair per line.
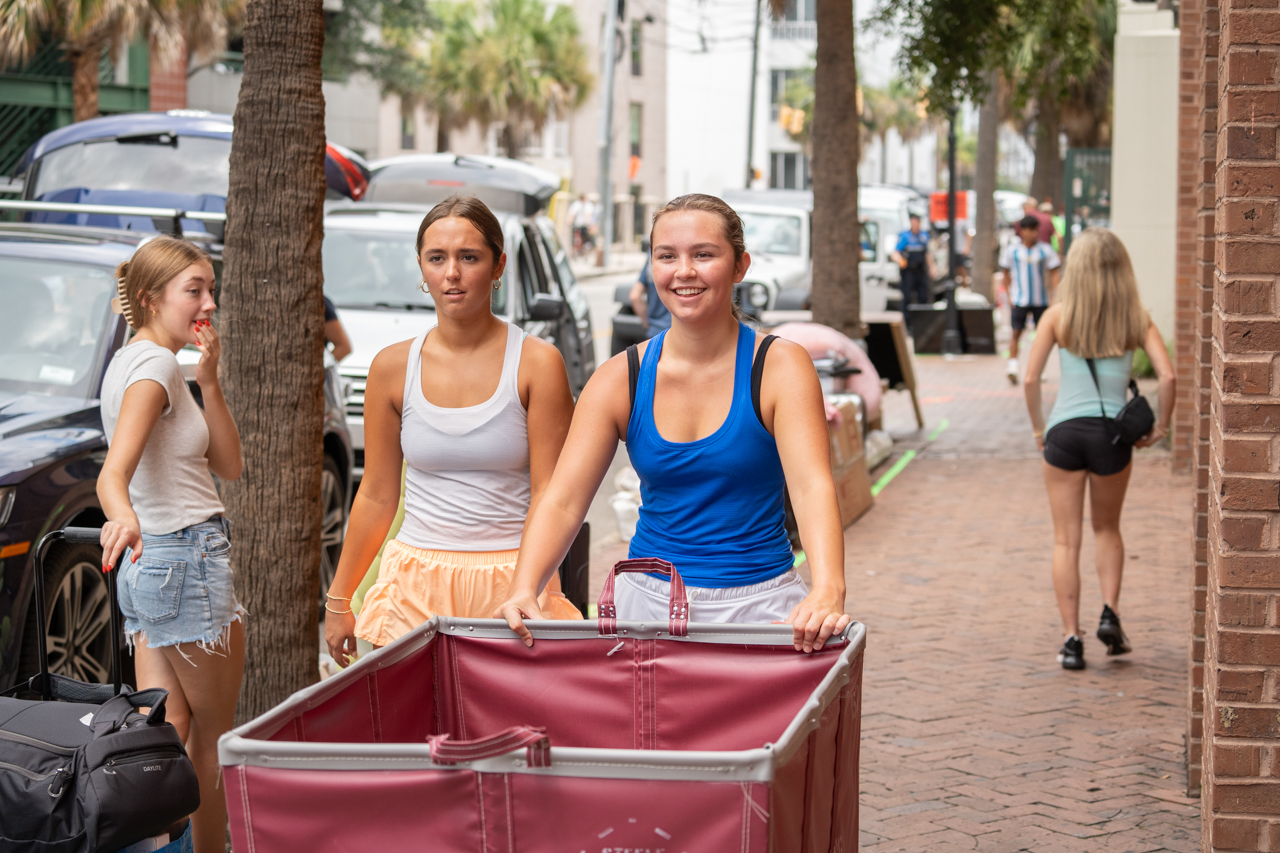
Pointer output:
546, 307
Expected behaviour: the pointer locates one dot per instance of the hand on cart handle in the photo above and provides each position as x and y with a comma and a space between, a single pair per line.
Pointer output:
515, 610
116, 537
816, 619
340, 635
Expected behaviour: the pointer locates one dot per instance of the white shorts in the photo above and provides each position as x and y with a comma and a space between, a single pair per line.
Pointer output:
642, 598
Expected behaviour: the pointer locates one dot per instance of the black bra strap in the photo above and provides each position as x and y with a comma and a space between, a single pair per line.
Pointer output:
757, 374
633, 370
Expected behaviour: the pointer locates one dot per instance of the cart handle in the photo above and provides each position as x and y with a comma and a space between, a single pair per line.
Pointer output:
678, 607
447, 751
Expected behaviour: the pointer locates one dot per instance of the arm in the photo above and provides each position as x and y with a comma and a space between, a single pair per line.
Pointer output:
143, 403
1054, 275
1159, 356
1046, 337
599, 422
639, 297
223, 454
375, 505
336, 335
544, 387
791, 403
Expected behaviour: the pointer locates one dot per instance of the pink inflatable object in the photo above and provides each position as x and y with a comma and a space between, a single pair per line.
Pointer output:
604, 736
818, 340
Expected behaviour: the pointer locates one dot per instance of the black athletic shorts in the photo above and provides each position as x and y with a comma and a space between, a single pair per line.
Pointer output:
1082, 443
1018, 315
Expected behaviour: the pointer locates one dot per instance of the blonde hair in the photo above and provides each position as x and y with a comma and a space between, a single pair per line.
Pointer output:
140, 280
1102, 313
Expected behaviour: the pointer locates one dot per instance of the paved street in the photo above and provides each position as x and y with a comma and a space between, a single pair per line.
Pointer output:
973, 737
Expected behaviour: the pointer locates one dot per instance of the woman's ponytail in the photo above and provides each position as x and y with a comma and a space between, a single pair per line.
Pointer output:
120, 304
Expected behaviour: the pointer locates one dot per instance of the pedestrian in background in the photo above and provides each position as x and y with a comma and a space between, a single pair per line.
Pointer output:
1030, 269
334, 333
911, 254
645, 301
582, 215
1044, 222
1097, 326
165, 527
479, 410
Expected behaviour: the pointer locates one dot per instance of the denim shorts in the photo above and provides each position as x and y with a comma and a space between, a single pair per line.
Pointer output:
182, 589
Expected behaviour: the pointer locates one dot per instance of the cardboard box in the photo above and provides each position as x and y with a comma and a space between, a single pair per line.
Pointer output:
849, 464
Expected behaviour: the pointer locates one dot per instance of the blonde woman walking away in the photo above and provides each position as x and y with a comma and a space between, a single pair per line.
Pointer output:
165, 525
1098, 324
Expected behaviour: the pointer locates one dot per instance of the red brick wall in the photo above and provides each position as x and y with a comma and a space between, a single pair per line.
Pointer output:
169, 84
1241, 795
1190, 105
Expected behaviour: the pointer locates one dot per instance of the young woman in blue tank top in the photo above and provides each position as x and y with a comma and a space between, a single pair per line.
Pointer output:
1100, 320
712, 460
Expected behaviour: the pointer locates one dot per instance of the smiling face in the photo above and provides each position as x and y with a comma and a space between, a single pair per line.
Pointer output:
458, 267
187, 298
694, 267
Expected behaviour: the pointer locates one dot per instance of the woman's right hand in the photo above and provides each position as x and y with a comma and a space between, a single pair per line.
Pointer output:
340, 636
515, 610
116, 537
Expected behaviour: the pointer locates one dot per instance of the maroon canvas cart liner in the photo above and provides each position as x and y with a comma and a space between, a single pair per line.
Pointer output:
458, 737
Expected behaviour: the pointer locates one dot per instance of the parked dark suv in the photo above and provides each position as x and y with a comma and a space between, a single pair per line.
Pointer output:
57, 335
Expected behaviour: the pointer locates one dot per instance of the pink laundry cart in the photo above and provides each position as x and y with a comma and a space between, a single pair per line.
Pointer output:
604, 737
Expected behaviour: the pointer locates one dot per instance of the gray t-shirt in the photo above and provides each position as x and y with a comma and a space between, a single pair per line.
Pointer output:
172, 487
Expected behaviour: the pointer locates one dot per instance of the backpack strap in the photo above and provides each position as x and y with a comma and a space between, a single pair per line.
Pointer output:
757, 374
633, 370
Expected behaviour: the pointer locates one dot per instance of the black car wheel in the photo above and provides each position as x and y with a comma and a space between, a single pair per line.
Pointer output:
333, 524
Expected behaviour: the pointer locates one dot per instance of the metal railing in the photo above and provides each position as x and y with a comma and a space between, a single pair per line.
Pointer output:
167, 220
795, 29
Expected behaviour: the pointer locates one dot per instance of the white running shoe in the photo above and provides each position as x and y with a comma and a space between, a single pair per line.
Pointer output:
1013, 371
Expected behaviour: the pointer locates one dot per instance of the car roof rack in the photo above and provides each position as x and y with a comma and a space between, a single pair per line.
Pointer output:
167, 220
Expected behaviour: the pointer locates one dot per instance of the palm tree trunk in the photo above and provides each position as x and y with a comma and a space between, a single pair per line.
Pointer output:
85, 59
836, 248
984, 185
273, 334
509, 142
1046, 179
442, 134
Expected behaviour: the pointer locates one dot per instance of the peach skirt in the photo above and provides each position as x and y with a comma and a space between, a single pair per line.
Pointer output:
415, 584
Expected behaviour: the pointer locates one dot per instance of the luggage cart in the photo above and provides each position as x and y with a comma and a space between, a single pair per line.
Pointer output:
605, 736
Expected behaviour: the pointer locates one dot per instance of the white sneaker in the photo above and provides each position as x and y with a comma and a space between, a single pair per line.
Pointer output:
1012, 371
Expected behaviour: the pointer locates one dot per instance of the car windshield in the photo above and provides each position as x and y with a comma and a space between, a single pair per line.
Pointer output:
52, 317
772, 233
196, 165
365, 269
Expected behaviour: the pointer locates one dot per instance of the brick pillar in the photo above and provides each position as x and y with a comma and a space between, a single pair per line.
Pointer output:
1241, 793
1190, 105
169, 83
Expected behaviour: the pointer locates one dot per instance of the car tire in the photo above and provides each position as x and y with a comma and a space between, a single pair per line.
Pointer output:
76, 618
333, 523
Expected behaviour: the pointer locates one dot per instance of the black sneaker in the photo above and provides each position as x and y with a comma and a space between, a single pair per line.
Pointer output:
1072, 654
1110, 633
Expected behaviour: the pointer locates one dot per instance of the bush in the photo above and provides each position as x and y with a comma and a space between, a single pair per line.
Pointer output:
1142, 368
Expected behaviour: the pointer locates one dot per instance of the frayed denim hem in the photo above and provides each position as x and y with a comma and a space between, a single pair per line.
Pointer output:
216, 645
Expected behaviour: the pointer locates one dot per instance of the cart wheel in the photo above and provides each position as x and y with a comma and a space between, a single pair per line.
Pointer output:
77, 619
333, 524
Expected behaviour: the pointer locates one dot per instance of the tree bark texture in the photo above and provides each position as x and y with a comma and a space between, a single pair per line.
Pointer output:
84, 80
273, 332
836, 243
1046, 178
984, 185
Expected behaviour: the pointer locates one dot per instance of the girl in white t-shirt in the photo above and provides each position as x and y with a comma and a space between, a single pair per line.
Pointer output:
165, 526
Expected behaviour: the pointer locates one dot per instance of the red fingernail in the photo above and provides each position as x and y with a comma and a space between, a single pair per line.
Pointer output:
106, 569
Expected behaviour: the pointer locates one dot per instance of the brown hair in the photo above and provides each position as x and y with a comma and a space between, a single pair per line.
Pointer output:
1102, 313
471, 209
141, 279
708, 204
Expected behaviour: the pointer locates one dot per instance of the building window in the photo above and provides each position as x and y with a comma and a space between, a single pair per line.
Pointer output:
788, 170
800, 10
406, 134
637, 120
798, 21
779, 80
636, 67
637, 214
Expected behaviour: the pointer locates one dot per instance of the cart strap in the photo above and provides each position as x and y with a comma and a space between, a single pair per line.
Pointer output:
678, 606
444, 750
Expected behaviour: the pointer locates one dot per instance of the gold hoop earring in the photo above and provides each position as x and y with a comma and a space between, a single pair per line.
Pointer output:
497, 284
423, 286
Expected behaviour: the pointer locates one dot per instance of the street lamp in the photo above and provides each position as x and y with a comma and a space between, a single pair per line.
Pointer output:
951, 337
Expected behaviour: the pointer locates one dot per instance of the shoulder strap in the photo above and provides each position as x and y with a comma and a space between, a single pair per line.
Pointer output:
633, 370
757, 374
1093, 371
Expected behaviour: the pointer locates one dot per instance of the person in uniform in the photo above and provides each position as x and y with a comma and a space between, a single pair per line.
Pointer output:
912, 256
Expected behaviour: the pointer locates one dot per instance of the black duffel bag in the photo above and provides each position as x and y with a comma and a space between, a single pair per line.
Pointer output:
81, 769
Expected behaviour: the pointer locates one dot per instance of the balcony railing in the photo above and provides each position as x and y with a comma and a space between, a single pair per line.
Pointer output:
795, 30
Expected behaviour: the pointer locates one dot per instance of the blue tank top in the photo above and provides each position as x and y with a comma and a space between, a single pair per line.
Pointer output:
1078, 397
712, 507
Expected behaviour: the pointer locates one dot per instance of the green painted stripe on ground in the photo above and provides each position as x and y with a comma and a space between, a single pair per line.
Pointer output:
933, 436
893, 472
800, 560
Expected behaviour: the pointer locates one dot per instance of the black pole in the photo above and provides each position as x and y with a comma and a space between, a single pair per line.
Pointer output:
951, 337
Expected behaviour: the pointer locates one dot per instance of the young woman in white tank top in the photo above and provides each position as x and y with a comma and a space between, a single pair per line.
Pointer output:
479, 412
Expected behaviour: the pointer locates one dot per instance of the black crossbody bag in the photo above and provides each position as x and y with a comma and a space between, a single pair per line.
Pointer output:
1135, 418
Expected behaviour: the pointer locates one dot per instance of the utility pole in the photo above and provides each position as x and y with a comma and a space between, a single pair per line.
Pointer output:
951, 337
751, 105
610, 37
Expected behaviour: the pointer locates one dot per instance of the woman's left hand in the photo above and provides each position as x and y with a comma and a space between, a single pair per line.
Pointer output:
815, 619
210, 349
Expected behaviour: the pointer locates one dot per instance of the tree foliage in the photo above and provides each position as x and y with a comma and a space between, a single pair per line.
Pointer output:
381, 38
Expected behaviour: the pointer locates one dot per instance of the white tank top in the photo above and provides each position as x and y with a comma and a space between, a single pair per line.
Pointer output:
467, 482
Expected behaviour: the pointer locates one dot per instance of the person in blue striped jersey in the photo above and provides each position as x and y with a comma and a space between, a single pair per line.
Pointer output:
1030, 268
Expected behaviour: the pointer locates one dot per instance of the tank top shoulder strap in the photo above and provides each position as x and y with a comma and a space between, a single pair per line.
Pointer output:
757, 373
413, 371
511, 359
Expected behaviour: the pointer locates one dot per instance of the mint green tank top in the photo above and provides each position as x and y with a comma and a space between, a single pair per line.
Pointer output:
1078, 396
